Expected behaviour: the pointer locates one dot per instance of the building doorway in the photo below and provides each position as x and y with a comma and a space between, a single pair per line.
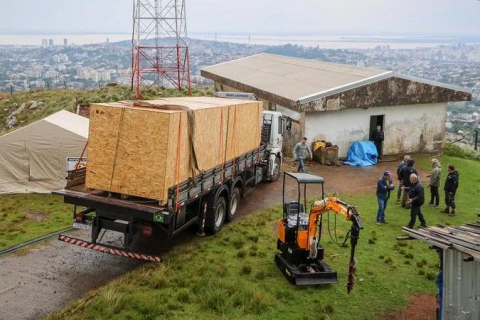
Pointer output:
375, 121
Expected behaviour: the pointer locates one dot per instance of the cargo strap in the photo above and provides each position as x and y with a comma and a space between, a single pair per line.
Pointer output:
81, 156
116, 150
234, 140
191, 124
179, 148
222, 154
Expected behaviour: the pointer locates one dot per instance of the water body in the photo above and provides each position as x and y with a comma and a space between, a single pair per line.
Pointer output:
321, 41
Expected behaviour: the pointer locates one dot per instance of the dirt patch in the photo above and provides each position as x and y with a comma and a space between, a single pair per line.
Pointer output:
37, 215
420, 307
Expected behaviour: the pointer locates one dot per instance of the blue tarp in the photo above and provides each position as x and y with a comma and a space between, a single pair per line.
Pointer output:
362, 154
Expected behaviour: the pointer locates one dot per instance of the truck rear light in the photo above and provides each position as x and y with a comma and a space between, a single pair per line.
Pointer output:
79, 217
147, 231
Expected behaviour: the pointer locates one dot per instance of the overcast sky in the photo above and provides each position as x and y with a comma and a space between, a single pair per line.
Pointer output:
417, 17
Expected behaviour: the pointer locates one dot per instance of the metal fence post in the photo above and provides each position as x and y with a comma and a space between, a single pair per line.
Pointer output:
476, 140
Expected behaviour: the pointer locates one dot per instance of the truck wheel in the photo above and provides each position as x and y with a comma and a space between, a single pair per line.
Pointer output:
276, 170
234, 203
215, 218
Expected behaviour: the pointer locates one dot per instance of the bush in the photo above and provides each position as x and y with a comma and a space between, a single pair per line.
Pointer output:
459, 152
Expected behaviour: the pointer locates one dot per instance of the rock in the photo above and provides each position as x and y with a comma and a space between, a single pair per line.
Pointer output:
20, 109
33, 105
11, 122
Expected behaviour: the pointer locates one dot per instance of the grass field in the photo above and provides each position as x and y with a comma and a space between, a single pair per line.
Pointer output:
28, 216
51, 101
233, 275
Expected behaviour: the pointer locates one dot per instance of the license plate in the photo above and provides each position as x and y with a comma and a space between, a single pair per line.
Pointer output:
83, 226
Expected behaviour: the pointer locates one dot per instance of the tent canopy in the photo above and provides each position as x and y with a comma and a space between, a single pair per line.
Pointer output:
362, 154
33, 159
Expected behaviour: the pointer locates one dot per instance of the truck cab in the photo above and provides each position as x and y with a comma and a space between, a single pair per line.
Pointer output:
273, 126
272, 137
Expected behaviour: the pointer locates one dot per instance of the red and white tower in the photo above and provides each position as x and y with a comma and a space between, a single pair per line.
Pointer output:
159, 45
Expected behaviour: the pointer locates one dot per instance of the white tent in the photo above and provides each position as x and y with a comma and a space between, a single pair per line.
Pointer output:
34, 159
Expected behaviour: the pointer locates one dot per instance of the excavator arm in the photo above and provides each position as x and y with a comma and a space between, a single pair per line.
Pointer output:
351, 214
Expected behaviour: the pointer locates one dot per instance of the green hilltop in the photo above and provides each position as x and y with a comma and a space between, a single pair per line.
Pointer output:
24, 108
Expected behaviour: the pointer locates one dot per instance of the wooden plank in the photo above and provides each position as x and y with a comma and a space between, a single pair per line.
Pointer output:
424, 235
458, 234
470, 230
144, 150
473, 253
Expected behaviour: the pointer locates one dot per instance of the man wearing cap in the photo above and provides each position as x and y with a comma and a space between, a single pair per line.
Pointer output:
384, 186
435, 177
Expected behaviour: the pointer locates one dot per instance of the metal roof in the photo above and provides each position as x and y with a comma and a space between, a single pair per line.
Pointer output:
292, 78
305, 177
302, 80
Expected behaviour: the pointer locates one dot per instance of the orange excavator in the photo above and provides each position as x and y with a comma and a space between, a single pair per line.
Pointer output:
300, 256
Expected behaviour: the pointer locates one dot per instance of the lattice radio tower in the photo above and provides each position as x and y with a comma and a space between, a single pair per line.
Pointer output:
159, 45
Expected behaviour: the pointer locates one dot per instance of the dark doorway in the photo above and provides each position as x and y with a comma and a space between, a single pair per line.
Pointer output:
374, 122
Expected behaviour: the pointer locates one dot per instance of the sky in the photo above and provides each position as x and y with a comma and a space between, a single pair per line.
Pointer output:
295, 17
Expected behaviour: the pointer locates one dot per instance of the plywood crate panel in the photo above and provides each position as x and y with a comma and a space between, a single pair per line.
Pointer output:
144, 151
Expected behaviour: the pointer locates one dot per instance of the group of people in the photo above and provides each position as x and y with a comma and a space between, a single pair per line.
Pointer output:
411, 194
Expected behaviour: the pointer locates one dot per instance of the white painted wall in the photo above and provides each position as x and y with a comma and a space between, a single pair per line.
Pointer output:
409, 128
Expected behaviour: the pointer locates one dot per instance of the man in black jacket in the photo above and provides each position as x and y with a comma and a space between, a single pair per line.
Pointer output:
377, 137
404, 175
451, 185
416, 198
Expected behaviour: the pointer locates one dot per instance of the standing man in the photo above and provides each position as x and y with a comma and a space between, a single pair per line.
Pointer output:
377, 137
300, 152
435, 177
451, 185
384, 186
416, 198
406, 184
402, 164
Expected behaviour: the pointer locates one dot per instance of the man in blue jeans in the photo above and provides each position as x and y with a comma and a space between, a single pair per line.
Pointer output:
384, 186
300, 153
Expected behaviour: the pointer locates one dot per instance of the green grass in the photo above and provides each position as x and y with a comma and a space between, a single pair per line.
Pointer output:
28, 216
55, 100
233, 275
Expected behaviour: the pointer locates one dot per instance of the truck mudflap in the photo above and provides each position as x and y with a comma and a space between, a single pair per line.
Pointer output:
108, 249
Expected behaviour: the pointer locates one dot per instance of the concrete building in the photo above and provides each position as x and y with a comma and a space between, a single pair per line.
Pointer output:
343, 104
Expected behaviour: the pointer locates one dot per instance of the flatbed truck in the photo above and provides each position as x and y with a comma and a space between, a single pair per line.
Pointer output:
210, 200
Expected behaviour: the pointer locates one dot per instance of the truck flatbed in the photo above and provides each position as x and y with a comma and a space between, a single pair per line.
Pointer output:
101, 200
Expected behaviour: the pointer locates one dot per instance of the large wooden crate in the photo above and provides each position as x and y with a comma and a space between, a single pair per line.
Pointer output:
145, 150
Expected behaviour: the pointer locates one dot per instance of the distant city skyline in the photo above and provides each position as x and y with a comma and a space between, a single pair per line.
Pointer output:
301, 17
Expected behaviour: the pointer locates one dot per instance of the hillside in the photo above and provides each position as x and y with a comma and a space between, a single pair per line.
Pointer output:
24, 108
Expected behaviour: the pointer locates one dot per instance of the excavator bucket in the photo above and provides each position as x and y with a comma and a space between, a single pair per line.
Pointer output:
306, 274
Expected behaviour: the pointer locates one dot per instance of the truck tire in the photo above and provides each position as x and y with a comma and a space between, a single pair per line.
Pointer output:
215, 218
276, 170
234, 203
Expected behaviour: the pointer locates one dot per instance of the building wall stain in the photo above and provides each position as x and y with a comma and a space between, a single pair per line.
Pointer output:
422, 135
388, 92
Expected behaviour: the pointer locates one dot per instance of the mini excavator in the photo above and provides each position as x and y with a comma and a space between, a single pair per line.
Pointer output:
299, 233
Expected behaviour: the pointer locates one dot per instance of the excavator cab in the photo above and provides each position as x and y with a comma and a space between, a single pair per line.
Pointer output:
300, 256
